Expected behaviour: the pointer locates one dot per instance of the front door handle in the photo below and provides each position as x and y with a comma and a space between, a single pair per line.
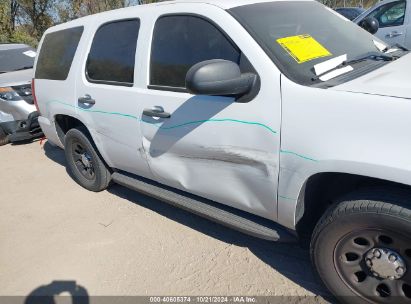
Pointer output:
156, 112
87, 100
393, 34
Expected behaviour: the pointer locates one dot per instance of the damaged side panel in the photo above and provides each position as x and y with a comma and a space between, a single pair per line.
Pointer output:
214, 146
230, 161
259, 162
225, 176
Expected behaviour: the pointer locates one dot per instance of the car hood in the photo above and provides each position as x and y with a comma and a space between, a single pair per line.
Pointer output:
391, 80
16, 78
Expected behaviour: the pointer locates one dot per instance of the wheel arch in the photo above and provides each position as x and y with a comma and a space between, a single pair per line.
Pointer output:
321, 190
66, 122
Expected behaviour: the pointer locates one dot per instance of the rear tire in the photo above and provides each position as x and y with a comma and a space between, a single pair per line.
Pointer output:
361, 248
84, 163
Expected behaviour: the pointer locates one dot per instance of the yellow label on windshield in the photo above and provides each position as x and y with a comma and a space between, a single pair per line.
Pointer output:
303, 48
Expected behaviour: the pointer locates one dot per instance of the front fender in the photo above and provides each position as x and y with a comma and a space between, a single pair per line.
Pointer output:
336, 131
293, 182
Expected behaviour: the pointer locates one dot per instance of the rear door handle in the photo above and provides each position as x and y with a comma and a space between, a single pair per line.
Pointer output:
393, 34
156, 112
87, 100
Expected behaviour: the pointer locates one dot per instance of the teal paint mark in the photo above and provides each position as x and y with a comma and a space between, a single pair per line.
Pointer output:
221, 120
93, 111
184, 124
299, 155
287, 198
170, 127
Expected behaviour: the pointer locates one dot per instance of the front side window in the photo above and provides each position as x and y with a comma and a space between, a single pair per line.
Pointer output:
180, 42
57, 53
391, 14
112, 55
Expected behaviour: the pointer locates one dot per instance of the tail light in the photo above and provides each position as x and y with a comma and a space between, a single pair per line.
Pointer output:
33, 92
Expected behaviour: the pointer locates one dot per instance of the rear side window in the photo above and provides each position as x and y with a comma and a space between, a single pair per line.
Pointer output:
57, 53
180, 42
112, 56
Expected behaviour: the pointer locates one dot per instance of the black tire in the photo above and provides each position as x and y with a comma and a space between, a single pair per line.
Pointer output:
4, 138
359, 235
84, 163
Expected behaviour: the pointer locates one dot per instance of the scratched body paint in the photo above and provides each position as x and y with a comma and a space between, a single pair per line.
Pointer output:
186, 123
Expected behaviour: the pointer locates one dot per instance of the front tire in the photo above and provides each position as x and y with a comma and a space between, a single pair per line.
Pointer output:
361, 248
84, 162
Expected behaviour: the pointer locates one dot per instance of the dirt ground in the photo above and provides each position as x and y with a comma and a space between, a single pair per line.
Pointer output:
55, 234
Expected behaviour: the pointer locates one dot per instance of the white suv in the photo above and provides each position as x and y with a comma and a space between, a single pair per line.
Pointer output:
280, 119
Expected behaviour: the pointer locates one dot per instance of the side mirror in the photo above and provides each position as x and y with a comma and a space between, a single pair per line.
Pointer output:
370, 25
219, 78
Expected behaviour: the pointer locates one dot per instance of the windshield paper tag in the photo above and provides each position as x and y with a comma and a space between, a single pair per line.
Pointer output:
303, 48
336, 73
31, 54
328, 65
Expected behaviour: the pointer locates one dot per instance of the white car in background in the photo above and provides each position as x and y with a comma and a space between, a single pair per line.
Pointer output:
394, 18
16, 72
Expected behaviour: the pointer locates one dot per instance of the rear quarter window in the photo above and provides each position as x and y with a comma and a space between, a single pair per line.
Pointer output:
57, 53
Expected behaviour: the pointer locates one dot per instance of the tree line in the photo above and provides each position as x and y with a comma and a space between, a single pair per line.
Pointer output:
24, 21
349, 3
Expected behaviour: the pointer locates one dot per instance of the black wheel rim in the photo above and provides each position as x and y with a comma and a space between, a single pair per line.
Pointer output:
375, 264
83, 160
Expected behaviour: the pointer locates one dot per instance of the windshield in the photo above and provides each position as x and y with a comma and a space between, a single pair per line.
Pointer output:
16, 58
299, 35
